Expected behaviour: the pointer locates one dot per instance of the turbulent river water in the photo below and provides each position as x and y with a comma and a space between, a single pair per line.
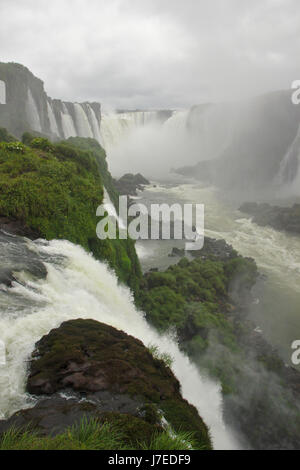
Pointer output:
276, 309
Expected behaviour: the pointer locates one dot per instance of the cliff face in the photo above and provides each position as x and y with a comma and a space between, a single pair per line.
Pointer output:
246, 145
25, 106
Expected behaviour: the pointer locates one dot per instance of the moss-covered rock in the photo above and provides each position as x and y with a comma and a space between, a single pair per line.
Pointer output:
88, 358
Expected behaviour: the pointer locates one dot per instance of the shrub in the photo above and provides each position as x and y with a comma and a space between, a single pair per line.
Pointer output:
166, 358
91, 434
42, 144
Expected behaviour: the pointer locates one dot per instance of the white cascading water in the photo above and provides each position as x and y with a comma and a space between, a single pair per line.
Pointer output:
32, 113
67, 123
177, 122
95, 124
52, 120
78, 286
151, 146
144, 142
113, 128
117, 126
2, 92
82, 122
289, 172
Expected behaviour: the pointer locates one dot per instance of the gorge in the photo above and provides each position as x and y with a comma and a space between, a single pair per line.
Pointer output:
221, 321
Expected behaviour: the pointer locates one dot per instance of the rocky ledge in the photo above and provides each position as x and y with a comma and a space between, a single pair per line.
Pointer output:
129, 184
212, 249
279, 218
86, 368
17, 227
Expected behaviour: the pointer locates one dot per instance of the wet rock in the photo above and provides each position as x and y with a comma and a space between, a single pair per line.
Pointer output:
16, 227
129, 184
176, 252
215, 249
17, 257
52, 416
279, 218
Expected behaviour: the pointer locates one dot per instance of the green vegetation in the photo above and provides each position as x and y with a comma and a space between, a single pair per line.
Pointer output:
193, 298
5, 136
195, 290
93, 435
167, 441
165, 357
55, 190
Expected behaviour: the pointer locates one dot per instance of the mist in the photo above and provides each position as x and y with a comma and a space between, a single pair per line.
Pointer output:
250, 148
153, 149
257, 389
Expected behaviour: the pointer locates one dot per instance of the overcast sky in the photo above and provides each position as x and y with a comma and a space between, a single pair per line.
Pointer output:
154, 53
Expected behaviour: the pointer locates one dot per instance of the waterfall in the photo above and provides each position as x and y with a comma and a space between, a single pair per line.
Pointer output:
114, 127
118, 126
67, 123
177, 122
289, 167
86, 123
94, 124
52, 120
78, 286
32, 113
2, 92
150, 143
82, 122
153, 143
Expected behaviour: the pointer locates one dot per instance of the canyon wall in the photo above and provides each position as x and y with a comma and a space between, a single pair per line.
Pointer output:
25, 106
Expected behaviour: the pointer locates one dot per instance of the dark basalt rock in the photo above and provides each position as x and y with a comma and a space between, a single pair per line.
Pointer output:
16, 227
6, 277
16, 257
216, 249
54, 415
129, 184
212, 249
279, 218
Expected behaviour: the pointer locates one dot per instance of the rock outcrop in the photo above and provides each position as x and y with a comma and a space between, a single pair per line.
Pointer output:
86, 368
129, 184
279, 218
